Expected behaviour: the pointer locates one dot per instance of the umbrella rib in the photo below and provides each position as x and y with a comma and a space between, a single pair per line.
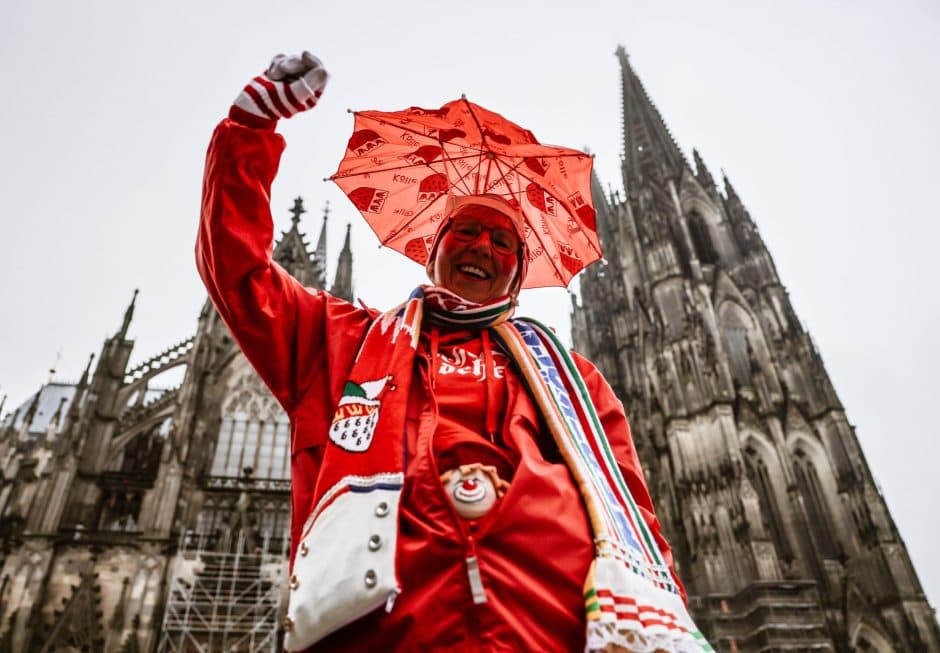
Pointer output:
475, 119
535, 228
380, 121
512, 169
486, 179
371, 171
446, 157
483, 149
409, 129
564, 203
561, 273
413, 218
558, 270
407, 166
460, 177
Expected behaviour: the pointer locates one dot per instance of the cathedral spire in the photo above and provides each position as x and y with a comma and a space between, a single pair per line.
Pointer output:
342, 282
649, 149
319, 254
320, 251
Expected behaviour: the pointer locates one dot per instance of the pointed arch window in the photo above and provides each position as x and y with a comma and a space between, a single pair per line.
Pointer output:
759, 477
810, 488
738, 352
255, 435
701, 239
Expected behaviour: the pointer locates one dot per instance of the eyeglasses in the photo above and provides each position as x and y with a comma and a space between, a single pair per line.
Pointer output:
504, 241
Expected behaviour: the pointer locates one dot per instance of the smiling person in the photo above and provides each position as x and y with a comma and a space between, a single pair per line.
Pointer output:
477, 252
435, 507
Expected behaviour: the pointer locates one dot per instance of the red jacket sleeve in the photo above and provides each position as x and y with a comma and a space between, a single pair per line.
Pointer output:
300, 341
280, 325
617, 428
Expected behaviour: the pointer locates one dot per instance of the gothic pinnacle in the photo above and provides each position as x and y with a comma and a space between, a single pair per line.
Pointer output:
729, 189
297, 210
83, 382
128, 315
701, 171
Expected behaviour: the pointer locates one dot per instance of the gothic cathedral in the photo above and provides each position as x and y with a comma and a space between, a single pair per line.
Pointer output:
780, 533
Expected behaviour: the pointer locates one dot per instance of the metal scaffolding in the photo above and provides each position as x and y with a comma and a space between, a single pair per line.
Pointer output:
224, 602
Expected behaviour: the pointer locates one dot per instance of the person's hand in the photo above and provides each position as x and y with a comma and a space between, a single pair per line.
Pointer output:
291, 84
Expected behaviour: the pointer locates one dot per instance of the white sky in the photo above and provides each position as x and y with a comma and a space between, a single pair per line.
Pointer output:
824, 115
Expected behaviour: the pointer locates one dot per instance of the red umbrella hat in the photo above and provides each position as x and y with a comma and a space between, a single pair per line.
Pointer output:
401, 168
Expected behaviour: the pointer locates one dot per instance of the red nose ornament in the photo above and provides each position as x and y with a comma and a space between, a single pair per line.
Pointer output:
473, 489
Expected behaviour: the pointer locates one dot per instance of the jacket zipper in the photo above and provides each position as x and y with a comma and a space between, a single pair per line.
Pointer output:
477, 591
473, 573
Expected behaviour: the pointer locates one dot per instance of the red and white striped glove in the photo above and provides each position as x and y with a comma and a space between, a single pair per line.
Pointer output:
291, 84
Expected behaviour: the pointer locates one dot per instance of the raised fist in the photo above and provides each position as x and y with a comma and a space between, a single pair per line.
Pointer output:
291, 84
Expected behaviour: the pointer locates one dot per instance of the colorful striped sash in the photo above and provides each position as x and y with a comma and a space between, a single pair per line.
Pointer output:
631, 600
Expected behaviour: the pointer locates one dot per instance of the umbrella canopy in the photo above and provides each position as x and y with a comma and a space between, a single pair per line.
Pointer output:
400, 167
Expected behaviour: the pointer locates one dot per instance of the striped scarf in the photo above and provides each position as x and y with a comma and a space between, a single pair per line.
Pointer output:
631, 600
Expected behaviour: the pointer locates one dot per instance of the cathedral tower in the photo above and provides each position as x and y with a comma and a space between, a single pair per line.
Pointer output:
779, 531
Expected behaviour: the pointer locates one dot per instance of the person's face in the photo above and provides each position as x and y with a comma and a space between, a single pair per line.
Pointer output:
478, 256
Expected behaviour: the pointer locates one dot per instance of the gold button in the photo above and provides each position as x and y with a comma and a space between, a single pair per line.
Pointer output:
381, 510
303, 548
294, 583
288, 624
371, 579
375, 543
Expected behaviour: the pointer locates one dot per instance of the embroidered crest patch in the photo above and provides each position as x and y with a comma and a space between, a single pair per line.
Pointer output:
357, 415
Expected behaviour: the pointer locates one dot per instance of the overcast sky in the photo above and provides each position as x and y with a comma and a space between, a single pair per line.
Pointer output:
824, 115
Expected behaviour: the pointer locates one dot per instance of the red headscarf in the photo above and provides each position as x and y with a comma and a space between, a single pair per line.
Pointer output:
458, 205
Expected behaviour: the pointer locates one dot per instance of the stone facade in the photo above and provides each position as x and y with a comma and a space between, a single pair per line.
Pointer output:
118, 497
779, 531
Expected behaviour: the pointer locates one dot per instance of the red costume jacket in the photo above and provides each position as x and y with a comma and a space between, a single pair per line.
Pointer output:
534, 548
